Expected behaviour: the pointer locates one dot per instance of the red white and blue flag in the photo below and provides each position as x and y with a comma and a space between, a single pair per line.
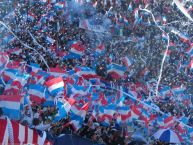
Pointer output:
178, 89
37, 93
11, 105
127, 61
55, 85
78, 116
117, 71
77, 49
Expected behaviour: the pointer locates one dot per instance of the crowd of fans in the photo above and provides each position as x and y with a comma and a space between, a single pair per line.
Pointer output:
141, 40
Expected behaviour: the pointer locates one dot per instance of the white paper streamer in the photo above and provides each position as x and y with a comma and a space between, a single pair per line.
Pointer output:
2, 23
182, 9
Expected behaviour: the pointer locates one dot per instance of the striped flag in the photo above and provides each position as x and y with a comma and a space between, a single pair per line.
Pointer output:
37, 93
100, 49
77, 50
11, 105
116, 71
64, 106
19, 134
168, 121
59, 5
135, 112
128, 61
55, 85
78, 116
178, 89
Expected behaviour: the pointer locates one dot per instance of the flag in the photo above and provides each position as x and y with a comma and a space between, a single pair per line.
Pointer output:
168, 121
9, 74
64, 107
57, 71
37, 93
165, 90
31, 16
86, 72
124, 112
8, 39
11, 105
130, 8
165, 37
100, 50
127, 61
4, 132
49, 40
135, 112
184, 38
59, 5
178, 89
19, 134
190, 50
15, 51
116, 71
77, 89
43, 1
33, 68
191, 65
107, 111
20, 80
77, 50
78, 116
55, 85
164, 20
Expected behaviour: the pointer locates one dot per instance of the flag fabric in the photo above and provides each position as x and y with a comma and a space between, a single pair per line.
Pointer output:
10, 74
50, 40
190, 50
77, 89
33, 68
130, 8
59, 5
37, 93
164, 37
78, 116
165, 90
168, 121
64, 107
57, 71
86, 72
100, 50
4, 132
191, 65
127, 61
135, 112
124, 112
116, 71
20, 134
164, 20
55, 85
77, 50
15, 51
178, 89
11, 105
31, 16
